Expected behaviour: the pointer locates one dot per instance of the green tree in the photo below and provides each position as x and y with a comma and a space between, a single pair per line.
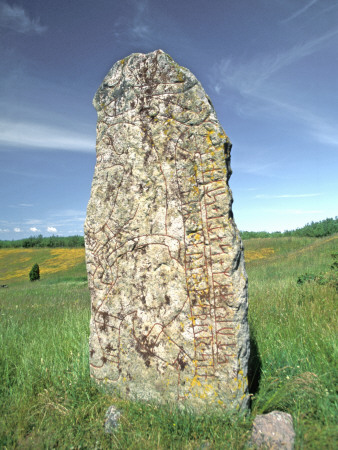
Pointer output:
34, 274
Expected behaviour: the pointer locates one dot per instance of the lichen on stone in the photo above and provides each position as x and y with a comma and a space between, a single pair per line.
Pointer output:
164, 257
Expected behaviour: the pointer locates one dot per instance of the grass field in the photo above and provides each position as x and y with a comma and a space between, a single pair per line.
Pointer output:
47, 399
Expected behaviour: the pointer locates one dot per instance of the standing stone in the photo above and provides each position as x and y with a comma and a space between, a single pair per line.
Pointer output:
164, 257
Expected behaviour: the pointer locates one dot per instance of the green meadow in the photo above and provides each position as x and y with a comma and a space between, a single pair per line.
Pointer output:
48, 400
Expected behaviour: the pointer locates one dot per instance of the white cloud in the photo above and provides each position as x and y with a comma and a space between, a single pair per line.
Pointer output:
26, 134
137, 26
141, 31
287, 196
34, 229
294, 211
323, 129
16, 19
4, 230
17, 230
259, 90
65, 216
255, 168
249, 77
21, 205
33, 222
140, 27
51, 229
300, 11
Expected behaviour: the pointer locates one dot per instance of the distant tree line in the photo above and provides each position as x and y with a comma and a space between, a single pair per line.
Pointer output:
323, 228
40, 242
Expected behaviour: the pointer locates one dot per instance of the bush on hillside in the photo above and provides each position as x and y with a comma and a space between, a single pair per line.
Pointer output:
329, 278
34, 274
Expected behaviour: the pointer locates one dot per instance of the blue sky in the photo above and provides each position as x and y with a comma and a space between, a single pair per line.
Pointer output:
269, 66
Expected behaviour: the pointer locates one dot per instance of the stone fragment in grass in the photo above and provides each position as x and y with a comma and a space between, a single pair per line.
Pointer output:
112, 419
273, 431
164, 257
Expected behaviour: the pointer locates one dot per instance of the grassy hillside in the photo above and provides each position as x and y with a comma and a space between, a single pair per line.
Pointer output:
48, 400
15, 263
327, 227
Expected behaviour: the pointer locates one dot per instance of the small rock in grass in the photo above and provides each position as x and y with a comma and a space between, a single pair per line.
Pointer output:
112, 419
273, 431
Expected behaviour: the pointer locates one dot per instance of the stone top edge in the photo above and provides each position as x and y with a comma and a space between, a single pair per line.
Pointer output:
145, 74
146, 55
117, 71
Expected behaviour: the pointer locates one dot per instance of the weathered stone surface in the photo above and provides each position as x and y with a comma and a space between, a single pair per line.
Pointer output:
111, 423
273, 431
164, 257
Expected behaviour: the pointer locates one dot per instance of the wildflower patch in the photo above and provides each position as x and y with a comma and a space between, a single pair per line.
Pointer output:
15, 263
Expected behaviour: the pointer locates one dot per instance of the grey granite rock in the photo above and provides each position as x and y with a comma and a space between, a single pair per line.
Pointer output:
273, 431
164, 257
112, 419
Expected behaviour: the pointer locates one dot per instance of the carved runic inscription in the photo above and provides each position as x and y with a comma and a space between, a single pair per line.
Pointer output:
164, 257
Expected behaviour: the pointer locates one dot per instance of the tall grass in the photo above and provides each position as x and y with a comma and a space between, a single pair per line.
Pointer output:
48, 400
295, 328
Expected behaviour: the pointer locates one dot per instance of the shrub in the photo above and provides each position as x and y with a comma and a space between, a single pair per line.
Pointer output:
324, 278
306, 277
34, 274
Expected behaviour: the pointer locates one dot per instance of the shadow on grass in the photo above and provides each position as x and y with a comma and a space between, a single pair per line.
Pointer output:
255, 366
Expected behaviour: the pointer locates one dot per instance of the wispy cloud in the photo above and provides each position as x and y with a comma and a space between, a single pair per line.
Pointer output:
51, 230
248, 77
37, 136
69, 217
255, 168
34, 229
294, 211
33, 222
21, 173
21, 205
300, 11
260, 90
16, 19
140, 27
73, 213
17, 230
323, 129
286, 196
137, 26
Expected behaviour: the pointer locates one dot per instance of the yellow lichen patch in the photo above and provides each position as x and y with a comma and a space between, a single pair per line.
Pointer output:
180, 75
195, 381
208, 138
251, 255
222, 135
200, 389
193, 321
